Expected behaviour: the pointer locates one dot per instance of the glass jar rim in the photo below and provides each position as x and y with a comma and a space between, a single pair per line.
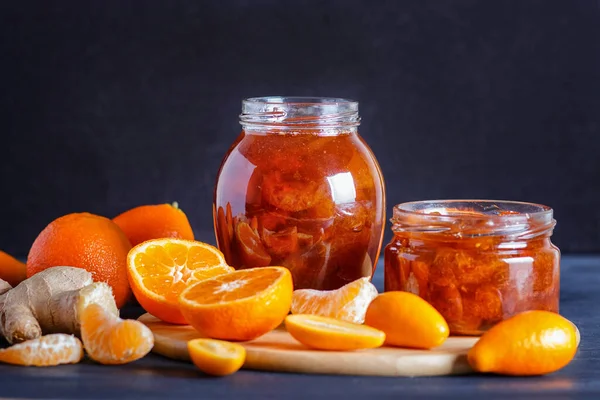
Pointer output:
472, 217
297, 113
314, 100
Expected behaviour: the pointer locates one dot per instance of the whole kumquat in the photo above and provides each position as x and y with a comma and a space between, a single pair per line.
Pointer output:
530, 343
407, 320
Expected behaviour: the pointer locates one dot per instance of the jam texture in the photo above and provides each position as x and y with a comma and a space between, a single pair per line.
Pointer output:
474, 282
311, 203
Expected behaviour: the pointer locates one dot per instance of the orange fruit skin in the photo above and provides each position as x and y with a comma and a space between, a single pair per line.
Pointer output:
325, 333
154, 222
216, 357
86, 241
407, 320
529, 343
12, 270
240, 319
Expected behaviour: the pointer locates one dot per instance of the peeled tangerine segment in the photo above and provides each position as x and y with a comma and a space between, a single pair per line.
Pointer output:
216, 357
348, 303
109, 339
48, 350
331, 334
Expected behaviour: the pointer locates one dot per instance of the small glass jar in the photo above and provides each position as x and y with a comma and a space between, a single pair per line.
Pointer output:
477, 262
300, 188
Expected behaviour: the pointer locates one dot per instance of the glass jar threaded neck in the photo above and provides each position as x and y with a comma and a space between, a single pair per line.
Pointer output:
299, 114
456, 219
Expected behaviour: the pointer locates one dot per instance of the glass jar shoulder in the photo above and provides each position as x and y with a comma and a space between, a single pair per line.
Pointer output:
342, 162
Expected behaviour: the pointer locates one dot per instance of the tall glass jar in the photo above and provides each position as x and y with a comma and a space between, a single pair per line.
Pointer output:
476, 262
300, 188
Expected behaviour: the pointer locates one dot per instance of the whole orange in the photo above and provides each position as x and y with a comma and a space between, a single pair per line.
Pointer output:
86, 241
154, 222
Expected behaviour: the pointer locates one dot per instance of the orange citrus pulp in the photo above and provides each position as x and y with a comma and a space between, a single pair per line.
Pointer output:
241, 305
332, 334
160, 269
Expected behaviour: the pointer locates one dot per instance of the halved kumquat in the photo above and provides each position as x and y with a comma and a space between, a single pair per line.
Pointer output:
241, 305
216, 357
332, 334
159, 270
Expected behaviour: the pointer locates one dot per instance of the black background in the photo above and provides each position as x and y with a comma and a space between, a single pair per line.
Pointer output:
105, 105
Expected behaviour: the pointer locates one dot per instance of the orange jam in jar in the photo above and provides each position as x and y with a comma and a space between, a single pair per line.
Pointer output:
477, 262
301, 189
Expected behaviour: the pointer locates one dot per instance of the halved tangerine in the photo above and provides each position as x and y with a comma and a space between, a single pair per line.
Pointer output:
160, 269
242, 305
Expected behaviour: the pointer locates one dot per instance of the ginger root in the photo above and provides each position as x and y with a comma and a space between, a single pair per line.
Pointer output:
50, 301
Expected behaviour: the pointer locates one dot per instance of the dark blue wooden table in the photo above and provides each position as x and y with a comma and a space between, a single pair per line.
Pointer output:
158, 377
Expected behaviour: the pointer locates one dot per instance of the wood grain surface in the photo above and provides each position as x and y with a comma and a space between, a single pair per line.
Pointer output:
279, 351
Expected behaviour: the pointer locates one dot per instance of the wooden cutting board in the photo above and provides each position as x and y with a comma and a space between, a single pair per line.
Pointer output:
279, 351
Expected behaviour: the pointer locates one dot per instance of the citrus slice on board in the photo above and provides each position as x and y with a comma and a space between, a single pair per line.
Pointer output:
348, 303
48, 350
109, 339
160, 269
332, 334
241, 305
216, 357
